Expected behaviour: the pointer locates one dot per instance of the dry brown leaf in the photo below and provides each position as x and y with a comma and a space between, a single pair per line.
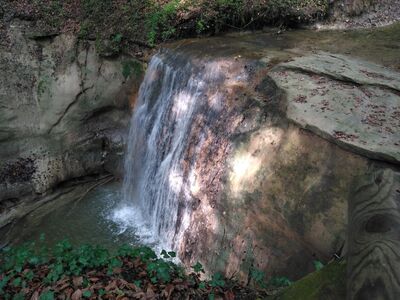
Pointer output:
180, 287
137, 262
150, 293
139, 295
97, 286
177, 280
68, 292
134, 287
35, 296
168, 291
142, 274
63, 287
77, 295
229, 295
111, 286
78, 281
63, 281
90, 273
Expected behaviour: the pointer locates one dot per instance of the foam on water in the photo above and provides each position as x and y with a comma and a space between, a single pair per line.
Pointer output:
129, 218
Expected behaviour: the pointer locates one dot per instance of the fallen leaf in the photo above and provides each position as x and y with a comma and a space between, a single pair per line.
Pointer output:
111, 286
229, 295
134, 287
78, 281
139, 295
63, 287
150, 293
168, 291
35, 296
123, 283
68, 292
77, 295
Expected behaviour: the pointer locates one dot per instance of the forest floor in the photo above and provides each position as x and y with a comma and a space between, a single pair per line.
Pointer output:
91, 272
384, 13
134, 26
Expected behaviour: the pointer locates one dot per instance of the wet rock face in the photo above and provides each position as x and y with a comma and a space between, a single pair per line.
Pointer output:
60, 104
275, 169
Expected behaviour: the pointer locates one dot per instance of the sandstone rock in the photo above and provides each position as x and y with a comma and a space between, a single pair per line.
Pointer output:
350, 102
60, 106
274, 176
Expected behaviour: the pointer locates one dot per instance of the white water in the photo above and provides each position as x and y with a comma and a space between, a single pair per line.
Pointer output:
154, 190
159, 170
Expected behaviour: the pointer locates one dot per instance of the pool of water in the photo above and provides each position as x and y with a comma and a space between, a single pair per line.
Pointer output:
97, 218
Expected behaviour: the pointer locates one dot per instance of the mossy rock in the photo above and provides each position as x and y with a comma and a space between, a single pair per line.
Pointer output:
329, 283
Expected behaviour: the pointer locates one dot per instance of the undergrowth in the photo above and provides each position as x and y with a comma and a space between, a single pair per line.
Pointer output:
132, 25
34, 271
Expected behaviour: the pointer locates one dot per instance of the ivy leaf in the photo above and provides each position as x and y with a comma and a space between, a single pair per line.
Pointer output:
48, 295
17, 282
198, 267
318, 265
19, 296
217, 280
86, 294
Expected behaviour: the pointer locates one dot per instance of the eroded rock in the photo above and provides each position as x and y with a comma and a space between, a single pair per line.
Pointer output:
61, 108
272, 184
350, 102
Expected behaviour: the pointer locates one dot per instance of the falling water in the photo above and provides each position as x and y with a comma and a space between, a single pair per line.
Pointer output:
154, 181
159, 170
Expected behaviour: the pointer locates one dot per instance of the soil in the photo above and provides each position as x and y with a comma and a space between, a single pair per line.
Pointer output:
383, 13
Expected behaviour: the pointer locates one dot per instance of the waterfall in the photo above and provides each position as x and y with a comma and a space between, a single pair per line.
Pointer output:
154, 180
167, 131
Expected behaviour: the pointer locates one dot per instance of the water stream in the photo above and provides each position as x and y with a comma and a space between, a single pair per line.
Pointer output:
90, 220
181, 112
156, 183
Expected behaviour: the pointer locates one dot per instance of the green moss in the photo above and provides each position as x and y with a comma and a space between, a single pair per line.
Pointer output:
43, 85
329, 283
132, 67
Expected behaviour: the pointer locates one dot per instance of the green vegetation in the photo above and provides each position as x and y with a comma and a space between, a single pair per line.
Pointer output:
328, 283
132, 25
43, 85
159, 21
34, 271
132, 67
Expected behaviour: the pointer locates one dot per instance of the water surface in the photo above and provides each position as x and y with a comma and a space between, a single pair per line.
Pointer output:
96, 218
